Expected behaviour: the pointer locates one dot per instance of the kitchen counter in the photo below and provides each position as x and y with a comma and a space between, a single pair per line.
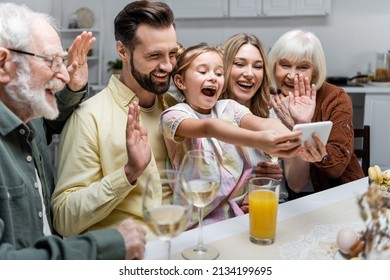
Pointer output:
367, 89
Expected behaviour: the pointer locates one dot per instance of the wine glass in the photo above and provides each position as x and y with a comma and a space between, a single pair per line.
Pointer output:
168, 220
200, 174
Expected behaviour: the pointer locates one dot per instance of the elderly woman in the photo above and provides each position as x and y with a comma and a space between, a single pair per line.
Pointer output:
298, 71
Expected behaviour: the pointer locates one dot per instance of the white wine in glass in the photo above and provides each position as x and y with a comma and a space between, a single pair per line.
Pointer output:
166, 221
200, 173
202, 191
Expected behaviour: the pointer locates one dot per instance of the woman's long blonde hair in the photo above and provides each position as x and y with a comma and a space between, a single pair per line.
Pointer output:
260, 103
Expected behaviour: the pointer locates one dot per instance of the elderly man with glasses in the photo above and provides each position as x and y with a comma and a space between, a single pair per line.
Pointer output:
56, 60
33, 71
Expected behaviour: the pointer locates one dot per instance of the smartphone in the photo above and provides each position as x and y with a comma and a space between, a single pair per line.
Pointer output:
321, 128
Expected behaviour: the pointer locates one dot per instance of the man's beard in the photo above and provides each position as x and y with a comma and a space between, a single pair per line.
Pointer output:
146, 81
31, 102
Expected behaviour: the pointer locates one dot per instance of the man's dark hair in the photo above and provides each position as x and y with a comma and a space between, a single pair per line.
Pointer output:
156, 14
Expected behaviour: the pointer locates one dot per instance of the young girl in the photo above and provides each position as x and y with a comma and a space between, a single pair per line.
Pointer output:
223, 126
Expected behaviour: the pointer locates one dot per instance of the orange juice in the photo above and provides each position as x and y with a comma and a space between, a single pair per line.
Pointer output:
263, 207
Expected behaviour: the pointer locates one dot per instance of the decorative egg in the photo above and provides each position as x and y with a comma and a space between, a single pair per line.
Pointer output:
346, 238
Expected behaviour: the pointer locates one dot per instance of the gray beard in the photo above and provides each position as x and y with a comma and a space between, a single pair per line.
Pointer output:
30, 103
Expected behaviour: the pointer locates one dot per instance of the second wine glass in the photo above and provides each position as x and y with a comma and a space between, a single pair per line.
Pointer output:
169, 220
200, 173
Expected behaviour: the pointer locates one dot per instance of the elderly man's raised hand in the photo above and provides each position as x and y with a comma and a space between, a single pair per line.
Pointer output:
77, 60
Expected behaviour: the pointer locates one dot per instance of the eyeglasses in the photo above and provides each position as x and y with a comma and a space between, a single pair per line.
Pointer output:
56, 60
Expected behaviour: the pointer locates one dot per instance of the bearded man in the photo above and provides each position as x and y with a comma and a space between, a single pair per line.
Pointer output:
101, 177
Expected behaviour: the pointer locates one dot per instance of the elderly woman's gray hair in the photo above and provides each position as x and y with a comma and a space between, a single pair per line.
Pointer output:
298, 45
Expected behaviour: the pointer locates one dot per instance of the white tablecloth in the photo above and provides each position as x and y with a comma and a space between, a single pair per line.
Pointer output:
306, 229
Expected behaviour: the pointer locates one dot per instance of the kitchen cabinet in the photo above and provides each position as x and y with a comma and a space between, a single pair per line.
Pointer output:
376, 105
279, 7
199, 8
248, 8
274, 8
313, 7
376, 115
245, 8
91, 17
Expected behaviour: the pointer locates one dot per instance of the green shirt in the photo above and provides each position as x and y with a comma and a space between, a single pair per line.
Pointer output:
23, 149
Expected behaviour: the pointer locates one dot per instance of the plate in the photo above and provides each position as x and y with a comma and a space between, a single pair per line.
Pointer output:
340, 256
85, 18
379, 84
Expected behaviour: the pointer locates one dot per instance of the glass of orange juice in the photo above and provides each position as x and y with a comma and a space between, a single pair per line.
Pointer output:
263, 209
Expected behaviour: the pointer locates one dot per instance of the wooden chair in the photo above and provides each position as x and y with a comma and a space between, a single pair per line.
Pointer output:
362, 151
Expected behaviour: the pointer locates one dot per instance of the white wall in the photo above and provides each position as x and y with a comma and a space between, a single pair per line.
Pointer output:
37, 5
351, 35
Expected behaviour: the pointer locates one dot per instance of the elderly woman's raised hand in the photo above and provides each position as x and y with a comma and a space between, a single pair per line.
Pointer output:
298, 106
302, 102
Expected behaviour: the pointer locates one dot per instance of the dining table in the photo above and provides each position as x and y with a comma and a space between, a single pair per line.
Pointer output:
306, 229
